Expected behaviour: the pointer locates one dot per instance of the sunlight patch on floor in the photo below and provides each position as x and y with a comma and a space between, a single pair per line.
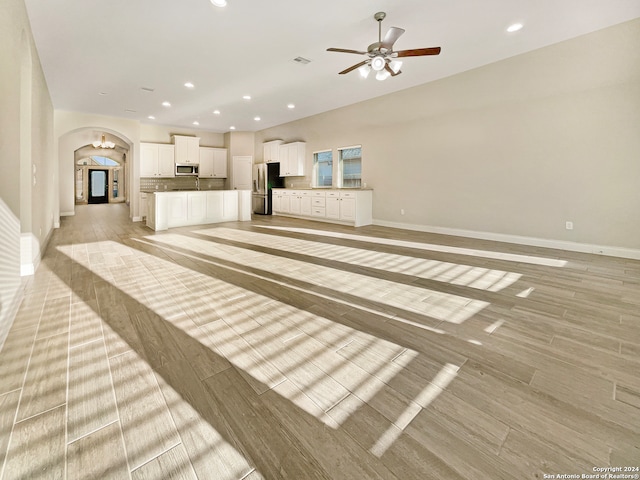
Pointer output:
423, 399
512, 257
471, 276
377, 293
269, 342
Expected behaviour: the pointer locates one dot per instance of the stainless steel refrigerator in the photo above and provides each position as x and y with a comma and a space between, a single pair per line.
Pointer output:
265, 177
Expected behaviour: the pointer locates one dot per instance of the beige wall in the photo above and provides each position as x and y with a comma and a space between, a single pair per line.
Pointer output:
27, 164
515, 148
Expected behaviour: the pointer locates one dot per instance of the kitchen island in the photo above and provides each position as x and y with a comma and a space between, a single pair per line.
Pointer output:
183, 208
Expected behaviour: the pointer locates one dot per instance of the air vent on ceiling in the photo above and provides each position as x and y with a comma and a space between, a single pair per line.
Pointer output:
301, 60
147, 89
129, 110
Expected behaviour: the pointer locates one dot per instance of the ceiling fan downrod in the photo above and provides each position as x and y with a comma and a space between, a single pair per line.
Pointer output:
379, 17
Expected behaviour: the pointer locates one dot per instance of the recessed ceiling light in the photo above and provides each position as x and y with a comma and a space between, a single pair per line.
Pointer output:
291, 105
189, 85
232, 127
219, 3
216, 112
151, 117
166, 104
196, 123
514, 28
257, 119
247, 97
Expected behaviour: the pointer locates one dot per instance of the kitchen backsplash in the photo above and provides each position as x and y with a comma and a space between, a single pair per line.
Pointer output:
150, 184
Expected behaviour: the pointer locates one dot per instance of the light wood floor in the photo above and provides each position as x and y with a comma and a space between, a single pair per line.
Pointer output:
288, 349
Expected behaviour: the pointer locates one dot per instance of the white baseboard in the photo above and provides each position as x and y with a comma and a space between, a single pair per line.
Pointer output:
532, 241
67, 214
136, 219
29, 253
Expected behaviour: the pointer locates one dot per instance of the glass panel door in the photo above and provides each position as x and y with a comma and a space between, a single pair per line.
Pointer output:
98, 186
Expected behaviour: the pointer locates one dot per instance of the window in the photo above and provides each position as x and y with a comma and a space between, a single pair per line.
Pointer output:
107, 162
350, 166
323, 168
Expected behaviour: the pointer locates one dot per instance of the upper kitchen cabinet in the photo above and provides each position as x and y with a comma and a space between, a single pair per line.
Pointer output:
292, 156
271, 151
187, 149
157, 160
213, 162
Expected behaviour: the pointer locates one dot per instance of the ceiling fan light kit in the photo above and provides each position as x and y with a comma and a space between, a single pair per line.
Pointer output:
381, 56
378, 62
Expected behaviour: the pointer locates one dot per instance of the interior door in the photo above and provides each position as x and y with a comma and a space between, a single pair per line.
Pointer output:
242, 172
98, 186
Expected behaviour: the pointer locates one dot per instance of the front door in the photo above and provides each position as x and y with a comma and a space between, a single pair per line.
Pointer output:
98, 186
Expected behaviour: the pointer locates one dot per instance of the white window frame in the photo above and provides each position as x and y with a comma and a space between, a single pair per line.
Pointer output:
340, 176
314, 174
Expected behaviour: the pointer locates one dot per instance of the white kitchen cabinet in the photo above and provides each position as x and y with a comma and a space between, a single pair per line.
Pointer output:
292, 158
276, 199
187, 149
318, 204
271, 151
333, 205
220, 163
294, 203
156, 160
300, 202
282, 203
213, 162
350, 207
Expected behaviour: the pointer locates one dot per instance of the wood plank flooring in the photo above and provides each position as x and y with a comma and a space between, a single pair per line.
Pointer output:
287, 349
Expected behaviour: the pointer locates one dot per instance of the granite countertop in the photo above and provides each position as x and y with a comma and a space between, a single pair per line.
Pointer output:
322, 188
182, 190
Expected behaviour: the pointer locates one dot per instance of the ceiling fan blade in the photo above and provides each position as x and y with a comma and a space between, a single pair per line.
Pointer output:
418, 52
344, 50
390, 38
350, 69
390, 70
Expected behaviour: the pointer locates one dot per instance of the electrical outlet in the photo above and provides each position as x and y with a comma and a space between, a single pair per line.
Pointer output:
402, 211
569, 225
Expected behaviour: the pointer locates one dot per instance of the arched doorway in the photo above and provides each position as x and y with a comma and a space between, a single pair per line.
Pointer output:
101, 177
77, 154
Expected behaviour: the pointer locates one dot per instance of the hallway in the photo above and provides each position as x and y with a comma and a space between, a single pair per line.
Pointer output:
283, 348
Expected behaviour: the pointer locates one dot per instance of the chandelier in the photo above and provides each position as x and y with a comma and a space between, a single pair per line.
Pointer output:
103, 143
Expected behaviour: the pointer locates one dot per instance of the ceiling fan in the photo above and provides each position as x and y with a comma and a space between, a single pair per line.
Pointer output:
382, 58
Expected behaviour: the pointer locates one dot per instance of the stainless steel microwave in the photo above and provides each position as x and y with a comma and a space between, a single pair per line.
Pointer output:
185, 169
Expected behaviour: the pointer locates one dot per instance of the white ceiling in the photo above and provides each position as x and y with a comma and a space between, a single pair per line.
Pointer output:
117, 47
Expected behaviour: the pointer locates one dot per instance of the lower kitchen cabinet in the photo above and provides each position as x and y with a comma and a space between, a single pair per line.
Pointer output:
352, 207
